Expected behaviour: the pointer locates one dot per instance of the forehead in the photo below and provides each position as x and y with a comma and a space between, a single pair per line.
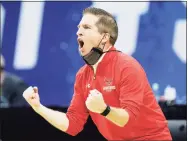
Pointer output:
89, 19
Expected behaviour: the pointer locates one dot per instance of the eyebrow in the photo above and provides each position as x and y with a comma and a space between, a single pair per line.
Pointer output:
84, 25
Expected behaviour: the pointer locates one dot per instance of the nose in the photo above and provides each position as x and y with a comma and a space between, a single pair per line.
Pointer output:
79, 32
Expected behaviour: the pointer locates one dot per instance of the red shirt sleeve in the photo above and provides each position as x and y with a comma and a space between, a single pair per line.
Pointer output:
132, 82
77, 112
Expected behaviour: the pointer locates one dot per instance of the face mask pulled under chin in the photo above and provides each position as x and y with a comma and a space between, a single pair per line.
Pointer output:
93, 56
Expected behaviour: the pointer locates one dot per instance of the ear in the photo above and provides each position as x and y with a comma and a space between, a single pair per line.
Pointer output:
106, 38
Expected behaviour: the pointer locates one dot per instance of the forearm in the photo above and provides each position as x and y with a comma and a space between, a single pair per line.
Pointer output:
55, 118
118, 116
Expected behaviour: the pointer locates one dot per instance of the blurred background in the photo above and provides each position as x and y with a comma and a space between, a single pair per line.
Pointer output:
39, 48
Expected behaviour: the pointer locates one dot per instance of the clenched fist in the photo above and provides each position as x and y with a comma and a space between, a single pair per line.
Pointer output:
95, 102
32, 97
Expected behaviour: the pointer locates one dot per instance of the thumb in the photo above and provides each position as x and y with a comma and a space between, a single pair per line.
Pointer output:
35, 89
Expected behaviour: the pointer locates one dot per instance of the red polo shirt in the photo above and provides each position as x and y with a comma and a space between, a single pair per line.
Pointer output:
123, 84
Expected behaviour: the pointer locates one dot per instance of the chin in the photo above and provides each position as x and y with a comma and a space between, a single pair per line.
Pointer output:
81, 53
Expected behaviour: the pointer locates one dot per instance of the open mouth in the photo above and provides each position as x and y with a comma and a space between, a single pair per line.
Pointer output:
81, 43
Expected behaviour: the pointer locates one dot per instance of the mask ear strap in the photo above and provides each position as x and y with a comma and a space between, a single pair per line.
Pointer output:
101, 41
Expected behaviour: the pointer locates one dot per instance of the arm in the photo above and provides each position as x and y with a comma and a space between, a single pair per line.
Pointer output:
73, 121
118, 116
77, 112
131, 97
55, 118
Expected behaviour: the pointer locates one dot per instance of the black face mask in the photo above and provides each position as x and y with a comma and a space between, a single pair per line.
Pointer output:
93, 56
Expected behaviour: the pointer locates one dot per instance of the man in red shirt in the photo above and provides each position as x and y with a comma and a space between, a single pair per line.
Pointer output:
112, 88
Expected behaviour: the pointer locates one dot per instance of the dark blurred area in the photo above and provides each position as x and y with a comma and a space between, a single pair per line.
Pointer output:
24, 124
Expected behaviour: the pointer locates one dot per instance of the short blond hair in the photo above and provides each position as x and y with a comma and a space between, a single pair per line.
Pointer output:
106, 22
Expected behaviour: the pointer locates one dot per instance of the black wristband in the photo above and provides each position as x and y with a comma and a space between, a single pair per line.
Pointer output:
106, 111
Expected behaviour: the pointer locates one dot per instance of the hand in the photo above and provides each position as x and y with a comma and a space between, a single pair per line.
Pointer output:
95, 102
32, 97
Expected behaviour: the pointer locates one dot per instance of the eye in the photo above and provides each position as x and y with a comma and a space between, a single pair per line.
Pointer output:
86, 27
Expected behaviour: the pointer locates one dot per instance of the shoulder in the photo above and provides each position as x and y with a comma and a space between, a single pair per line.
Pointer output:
12, 78
13, 81
128, 64
80, 77
81, 72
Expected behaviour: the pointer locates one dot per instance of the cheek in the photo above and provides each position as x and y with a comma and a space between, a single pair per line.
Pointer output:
92, 42
93, 38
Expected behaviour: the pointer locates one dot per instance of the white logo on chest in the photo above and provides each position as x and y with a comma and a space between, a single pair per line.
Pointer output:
109, 87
